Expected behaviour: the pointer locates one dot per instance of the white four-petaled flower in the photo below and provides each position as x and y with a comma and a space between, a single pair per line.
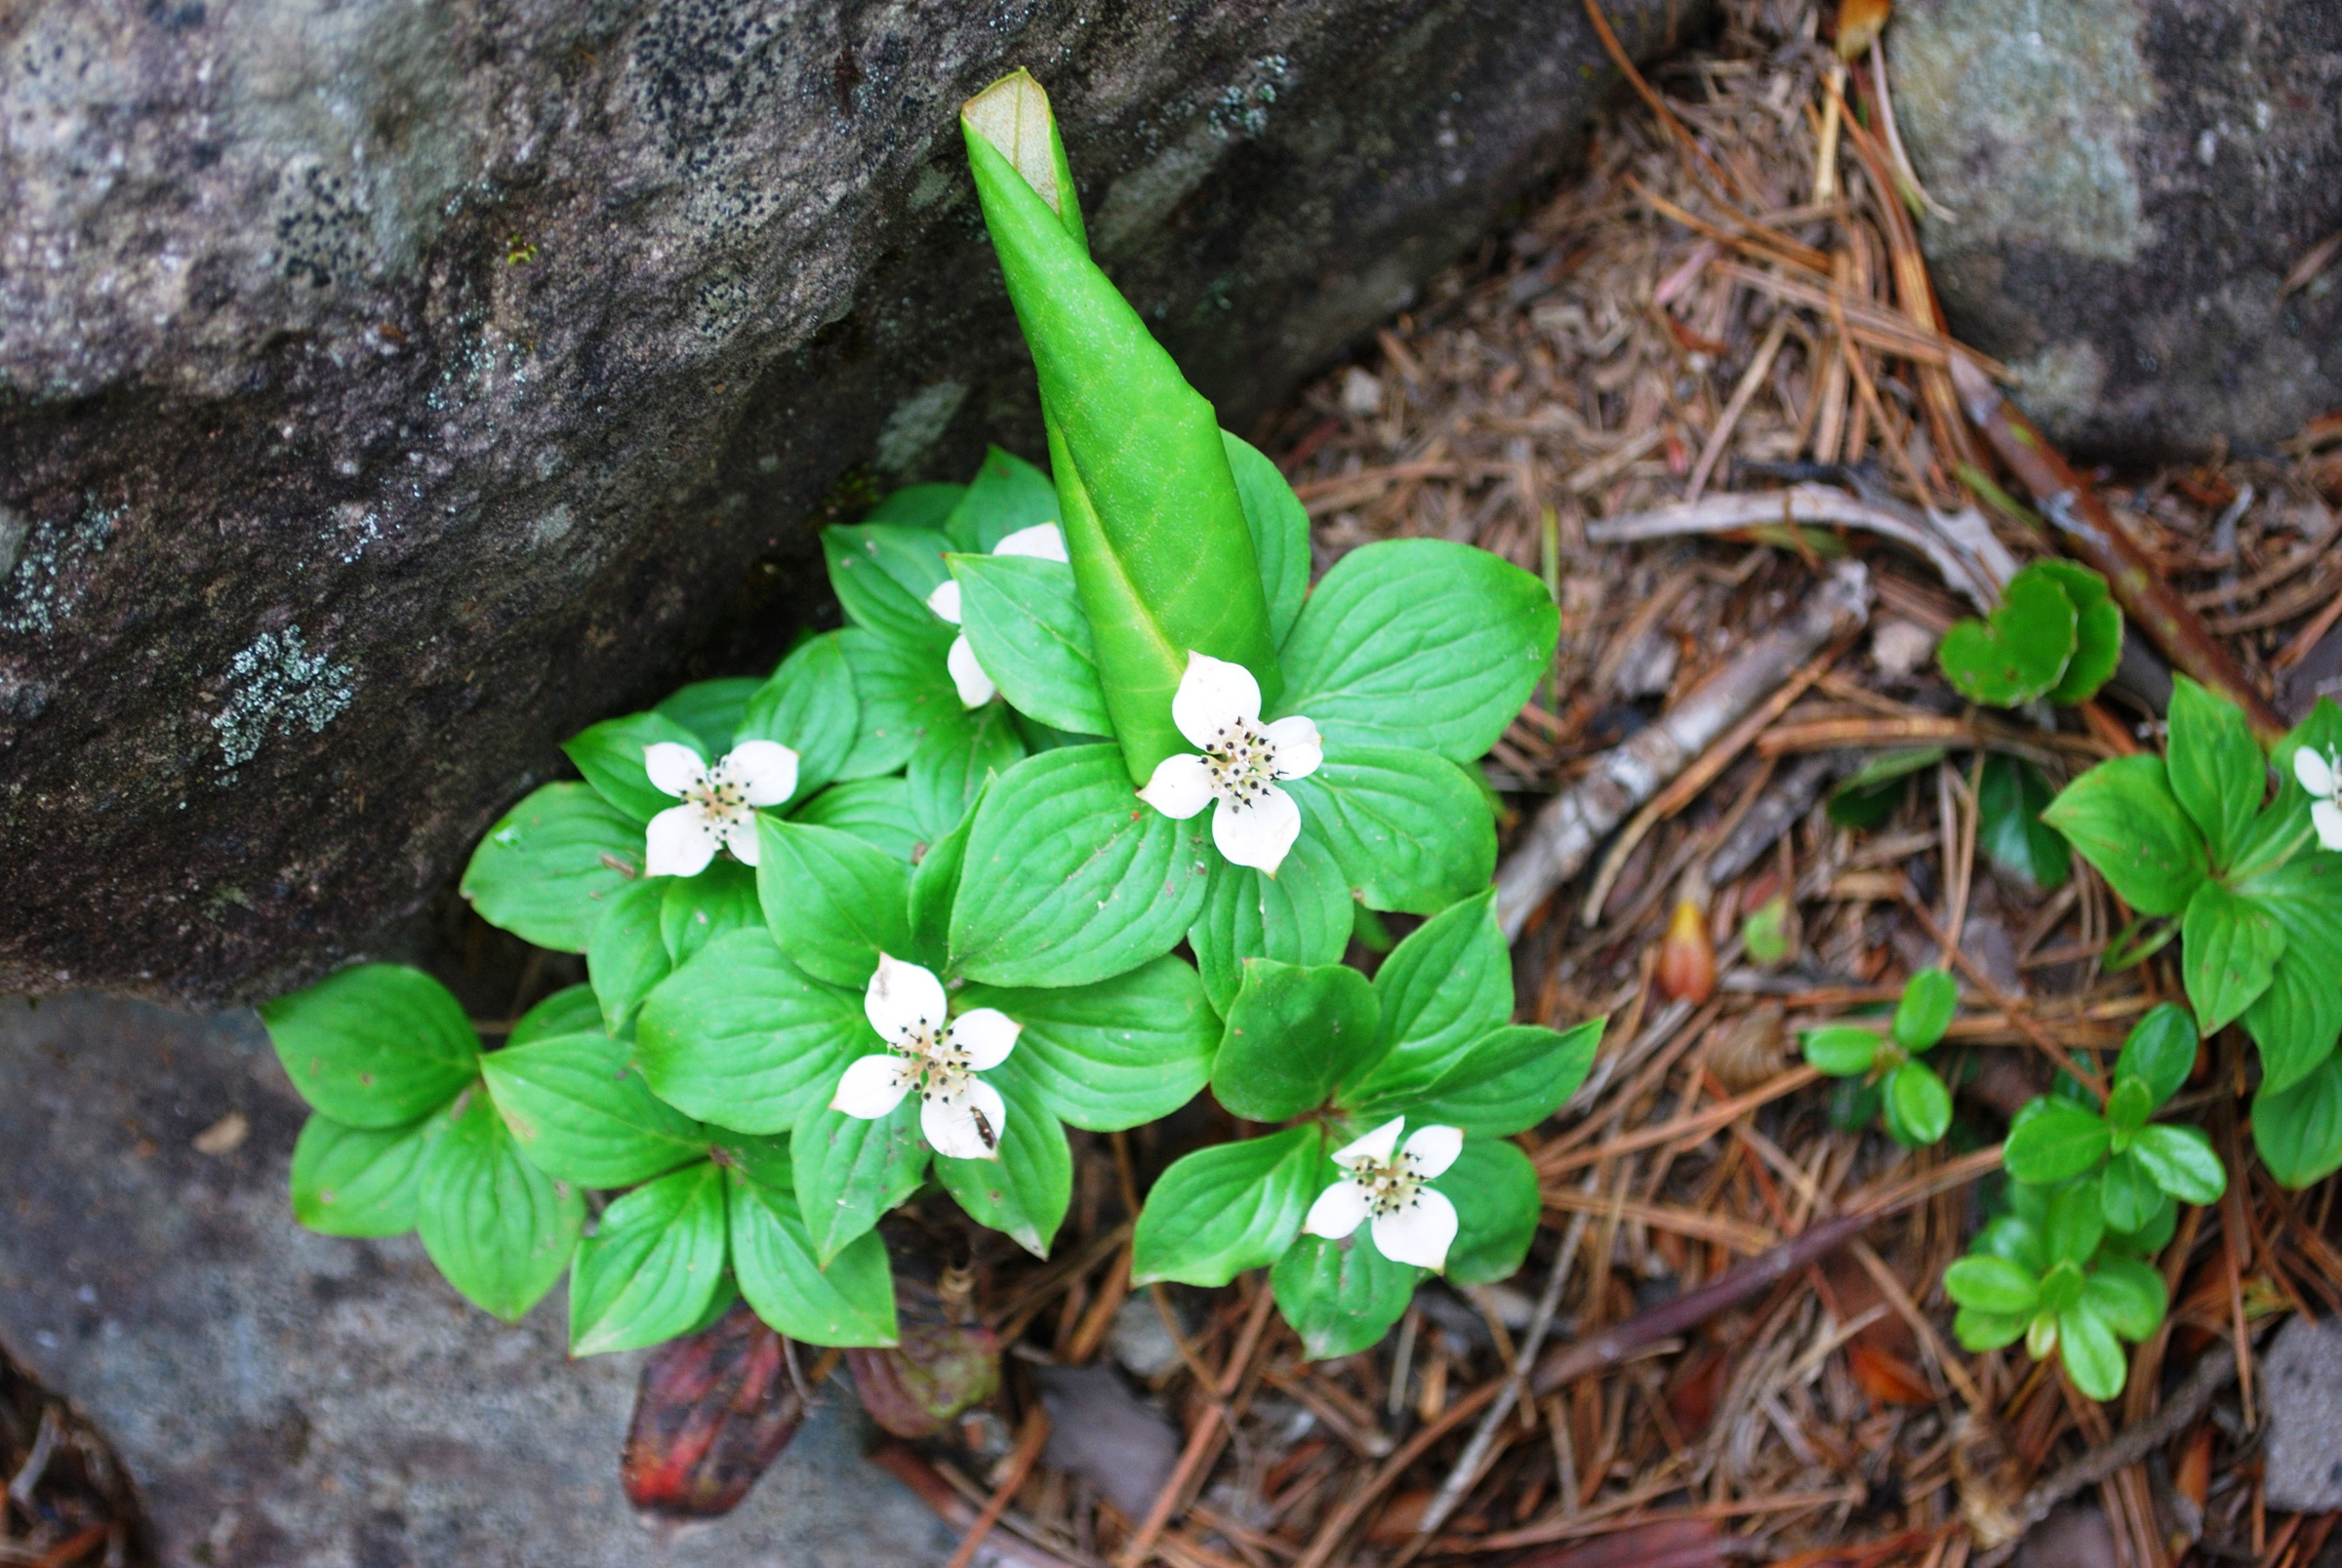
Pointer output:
2321, 775
927, 1050
1218, 709
1385, 1190
1043, 540
720, 802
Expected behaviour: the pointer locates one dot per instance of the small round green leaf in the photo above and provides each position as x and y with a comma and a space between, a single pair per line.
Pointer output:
2097, 629
2019, 652
1842, 1051
1991, 1285
2053, 1139
2161, 1050
2127, 1295
2093, 1359
1920, 1103
1930, 999
2182, 1162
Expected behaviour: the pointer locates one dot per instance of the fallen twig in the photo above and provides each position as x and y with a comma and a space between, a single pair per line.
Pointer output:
1020, 1460
903, 1462
1204, 1440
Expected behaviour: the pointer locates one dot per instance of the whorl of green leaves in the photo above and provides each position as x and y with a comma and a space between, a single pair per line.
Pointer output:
1156, 532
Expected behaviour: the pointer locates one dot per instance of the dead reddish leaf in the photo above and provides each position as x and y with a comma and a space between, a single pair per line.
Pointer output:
2193, 1474
712, 1411
1698, 1388
1887, 1379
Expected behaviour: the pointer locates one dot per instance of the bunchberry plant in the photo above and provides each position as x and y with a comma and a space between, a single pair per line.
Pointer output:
1913, 1099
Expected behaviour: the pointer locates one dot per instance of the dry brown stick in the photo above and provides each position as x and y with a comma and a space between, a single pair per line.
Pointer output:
1207, 1429
2091, 533
1695, 1126
1742, 394
903, 1463
1725, 183
1570, 824
1020, 1460
2002, 999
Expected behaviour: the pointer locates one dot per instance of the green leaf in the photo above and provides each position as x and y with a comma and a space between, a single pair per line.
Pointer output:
1007, 495
1930, 999
2284, 827
1991, 1285
610, 756
1114, 1053
2159, 1051
653, 1264
1494, 1189
2182, 1162
2128, 1194
935, 887
742, 1037
1870, 794
2093, 1360
1024, 620
1987, 1331
376, 1045
1302, 915
1411, 831
1227, 1208
2015, 1237
549, 864
2215, 769
1024, 1193
877, 811
2010, 798
626, 955
2097, 629
849, 1171
1842, 1051
2076, 1222
697, 910
1293, 1033
1155, 527
833, 903
710, 710
953, 762
581, 1113
918, 505
1070, 877
2019, 652
850, 1302
1340, 1297
358, 1181
2123, 818
809, 706
2129, 1105
2127, 1296
498, 1229
1511, 1079
1441, 991
1919, 1102
2229, 947
2051, 1139
571, 1010
1280, 532
2296, 1021
1419, 643
2299, 1129
883, 574
900, 689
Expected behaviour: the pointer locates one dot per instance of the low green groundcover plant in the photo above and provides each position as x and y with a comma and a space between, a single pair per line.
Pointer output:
1074, 817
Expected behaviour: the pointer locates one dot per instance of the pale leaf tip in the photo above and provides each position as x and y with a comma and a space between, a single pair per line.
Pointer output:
1013, 115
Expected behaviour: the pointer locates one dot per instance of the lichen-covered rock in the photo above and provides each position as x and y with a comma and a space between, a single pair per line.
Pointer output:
2132, 181
389, 389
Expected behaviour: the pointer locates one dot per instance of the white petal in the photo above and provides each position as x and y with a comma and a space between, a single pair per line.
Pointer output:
1435, 1148
872, 1087
1419, 1233
766, 772
680, 842
976, 688
951, 1128
1043, 540
987, 1034
739, 837
2328, 819
1339, 1209
2317, 775
1214, 696
1372, 1149
902, 997
945, 600
1259, 834
1299, 746
1182, 787
673, 767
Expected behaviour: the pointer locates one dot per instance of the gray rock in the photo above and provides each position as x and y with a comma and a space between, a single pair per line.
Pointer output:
288, 1400
2133, 179
2302, 1378
390, 389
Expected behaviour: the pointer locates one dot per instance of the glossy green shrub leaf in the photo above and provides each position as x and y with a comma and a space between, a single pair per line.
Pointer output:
610, 756
2229, 950
1114, 1053
2159, 1051
712, 709
358, 1181
1930, 999
1991, 1285
2126, 1295
2127, 1194
1280, 532
2097, 629
1980, 1330
1918, 1105
376, 1045
2123, 819
2129, 1105
1340, 1297
1411, 831
1007, 495
1293, 1033
2052, 1139
544, 871
1842, 1051
652, 1267
2017, 652
1441, 991
850, 1302
2073, 1227
2093, 1359
952, 761
2299, 1129
850, 1171
626, 954
832, 901
877, 811
1419, 643
1302, 915
1227, 1208
1509, 1079
2182, 1162
498, 1229
580, 1111
883, 574
810, 705
2010, 797
1070, 878
900, 689
743, 1038
1023, 1194
1494, 1189
1025, 621
2216, 768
